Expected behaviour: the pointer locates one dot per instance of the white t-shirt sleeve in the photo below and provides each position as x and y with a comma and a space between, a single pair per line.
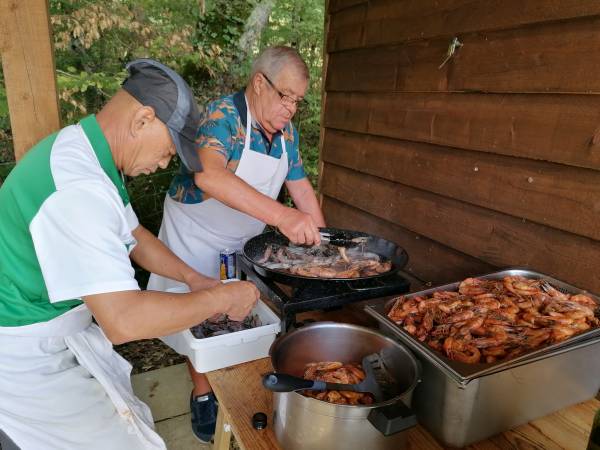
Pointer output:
130, 216
82, 238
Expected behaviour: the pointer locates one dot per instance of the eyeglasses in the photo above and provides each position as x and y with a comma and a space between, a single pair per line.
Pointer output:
286, 100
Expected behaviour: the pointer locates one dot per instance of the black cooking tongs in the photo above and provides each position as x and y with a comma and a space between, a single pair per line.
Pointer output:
341, 239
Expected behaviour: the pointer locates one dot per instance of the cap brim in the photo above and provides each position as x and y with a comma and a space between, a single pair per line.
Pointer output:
186, 150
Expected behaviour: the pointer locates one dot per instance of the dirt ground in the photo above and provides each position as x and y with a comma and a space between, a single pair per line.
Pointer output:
148, 354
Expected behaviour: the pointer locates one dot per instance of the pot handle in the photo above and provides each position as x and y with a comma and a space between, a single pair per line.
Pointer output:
392, 419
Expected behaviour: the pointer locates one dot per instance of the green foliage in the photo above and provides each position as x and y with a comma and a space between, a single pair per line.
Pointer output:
94, 39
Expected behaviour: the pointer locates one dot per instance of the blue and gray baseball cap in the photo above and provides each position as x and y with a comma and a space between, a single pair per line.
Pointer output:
154, 84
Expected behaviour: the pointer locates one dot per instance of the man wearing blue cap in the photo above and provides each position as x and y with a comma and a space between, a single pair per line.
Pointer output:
67, 233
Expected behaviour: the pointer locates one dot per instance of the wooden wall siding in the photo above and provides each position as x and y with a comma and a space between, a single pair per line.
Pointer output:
557, 128
520, 187
496, 238
517, 60
492, 160
434, 262
384, 22
337, 5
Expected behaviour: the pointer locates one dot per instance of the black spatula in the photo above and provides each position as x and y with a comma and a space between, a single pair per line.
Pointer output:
280, 382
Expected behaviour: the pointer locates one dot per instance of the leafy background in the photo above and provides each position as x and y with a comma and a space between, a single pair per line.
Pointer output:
211, 43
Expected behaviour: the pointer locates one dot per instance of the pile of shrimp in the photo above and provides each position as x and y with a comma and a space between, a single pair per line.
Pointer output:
324, 261
492, 320
337, 372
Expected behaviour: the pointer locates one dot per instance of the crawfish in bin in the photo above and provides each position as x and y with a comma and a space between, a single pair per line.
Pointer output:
224, 325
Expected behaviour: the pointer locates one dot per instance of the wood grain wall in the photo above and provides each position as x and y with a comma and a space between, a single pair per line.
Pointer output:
492, 160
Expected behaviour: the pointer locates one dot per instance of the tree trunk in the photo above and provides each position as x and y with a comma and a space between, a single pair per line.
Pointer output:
253, 28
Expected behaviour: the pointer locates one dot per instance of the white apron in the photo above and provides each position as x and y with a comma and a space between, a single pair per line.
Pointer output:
62, 386
198, 232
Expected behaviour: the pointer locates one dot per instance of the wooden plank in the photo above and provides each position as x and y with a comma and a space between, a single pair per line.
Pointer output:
241, 395
222, 432
242, 391
401, 68
558, 128
337, 5
496, 238
524, 60
28, 67
391, 22
429, 261
351, 22
563, 197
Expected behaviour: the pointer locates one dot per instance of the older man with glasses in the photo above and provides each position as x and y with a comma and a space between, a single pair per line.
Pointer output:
248, 148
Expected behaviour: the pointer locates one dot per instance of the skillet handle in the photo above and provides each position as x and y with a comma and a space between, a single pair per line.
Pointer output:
392, 419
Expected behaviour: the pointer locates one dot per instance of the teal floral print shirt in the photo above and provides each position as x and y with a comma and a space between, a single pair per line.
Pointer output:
222, 129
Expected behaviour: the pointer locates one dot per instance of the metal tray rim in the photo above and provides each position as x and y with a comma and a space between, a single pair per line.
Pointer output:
463, 373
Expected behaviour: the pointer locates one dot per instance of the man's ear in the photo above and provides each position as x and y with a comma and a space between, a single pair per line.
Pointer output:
258, 82
142, 118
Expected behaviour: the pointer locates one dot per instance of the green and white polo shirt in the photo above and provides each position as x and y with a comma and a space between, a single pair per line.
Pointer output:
65, 227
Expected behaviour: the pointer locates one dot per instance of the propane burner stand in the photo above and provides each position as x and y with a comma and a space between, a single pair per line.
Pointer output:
318, 294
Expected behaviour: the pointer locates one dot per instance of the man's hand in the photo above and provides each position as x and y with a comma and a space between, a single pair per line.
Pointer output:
241, 296
299, 227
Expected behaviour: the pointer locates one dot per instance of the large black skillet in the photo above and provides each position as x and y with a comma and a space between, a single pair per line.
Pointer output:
255, 248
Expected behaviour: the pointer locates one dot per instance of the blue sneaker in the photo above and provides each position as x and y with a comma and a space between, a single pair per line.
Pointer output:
204, 416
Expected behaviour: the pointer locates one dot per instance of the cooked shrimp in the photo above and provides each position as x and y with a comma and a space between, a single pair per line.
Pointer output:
357, 372
461, 351
471, 325
521, 286
494, 340
328, 365
449, 306
498, 351
343, 254
584, 300
472, 286
460, 316
509, 316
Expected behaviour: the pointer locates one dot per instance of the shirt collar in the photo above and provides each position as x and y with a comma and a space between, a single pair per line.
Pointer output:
94, 133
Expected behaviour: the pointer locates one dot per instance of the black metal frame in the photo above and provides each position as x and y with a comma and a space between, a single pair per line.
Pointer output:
317, 294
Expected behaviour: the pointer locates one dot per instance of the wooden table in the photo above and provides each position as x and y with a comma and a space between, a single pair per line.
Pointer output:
241, 395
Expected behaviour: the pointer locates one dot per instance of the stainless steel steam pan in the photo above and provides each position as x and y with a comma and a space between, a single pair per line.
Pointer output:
464, 373
459, 415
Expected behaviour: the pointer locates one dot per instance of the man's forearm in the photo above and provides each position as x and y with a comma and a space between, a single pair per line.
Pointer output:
132, 315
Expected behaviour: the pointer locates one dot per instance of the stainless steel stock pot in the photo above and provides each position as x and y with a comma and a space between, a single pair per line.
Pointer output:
306, 423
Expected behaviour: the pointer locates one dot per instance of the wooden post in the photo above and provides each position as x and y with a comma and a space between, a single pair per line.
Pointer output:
28, 65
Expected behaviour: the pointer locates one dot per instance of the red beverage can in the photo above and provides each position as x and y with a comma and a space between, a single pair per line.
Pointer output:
227, 264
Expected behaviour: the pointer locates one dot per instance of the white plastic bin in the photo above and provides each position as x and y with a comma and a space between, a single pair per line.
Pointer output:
226, 350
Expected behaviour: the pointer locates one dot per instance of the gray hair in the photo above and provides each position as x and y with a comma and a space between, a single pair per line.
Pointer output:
273, 59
